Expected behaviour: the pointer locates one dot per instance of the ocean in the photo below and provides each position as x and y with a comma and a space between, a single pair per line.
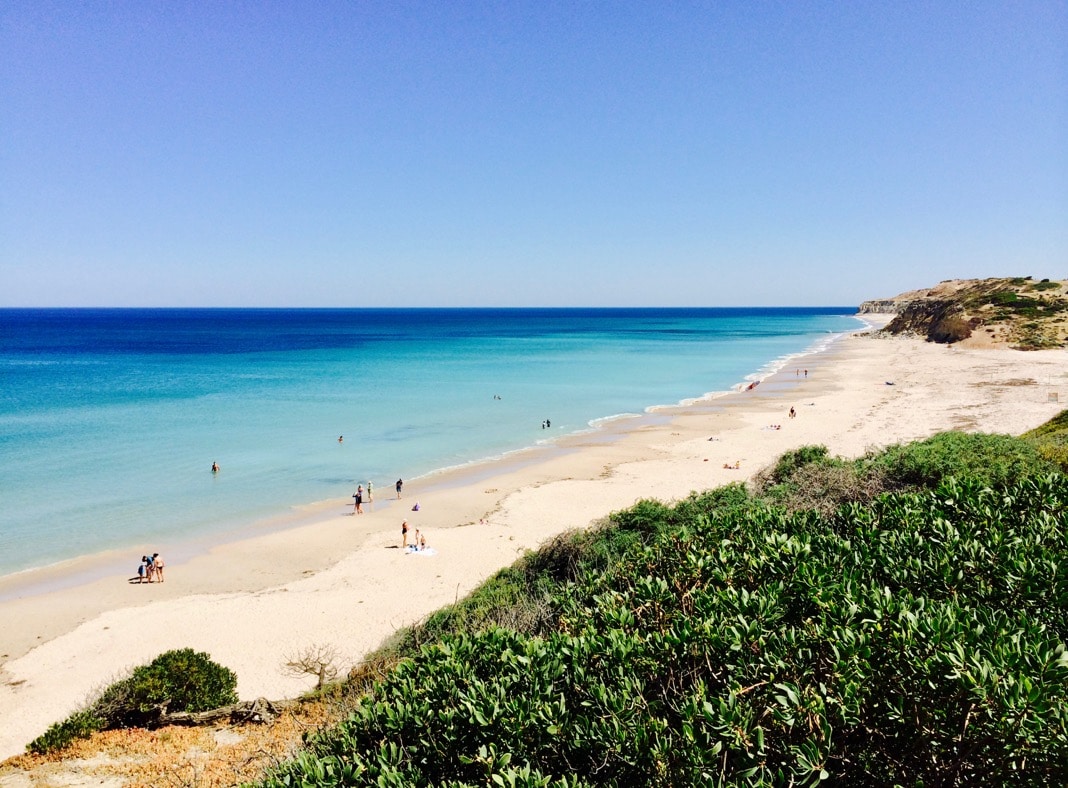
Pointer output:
110, 419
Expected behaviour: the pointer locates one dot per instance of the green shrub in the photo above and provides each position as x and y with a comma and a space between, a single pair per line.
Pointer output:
642, 518
823, 487
909, 637
180, 680
993, 460
1003, 298
1058, 425
1051, 440
916, 640
721, 501
809, 479
788, 464
80, 725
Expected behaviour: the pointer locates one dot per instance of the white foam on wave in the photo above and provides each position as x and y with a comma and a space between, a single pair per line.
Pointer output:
766, 371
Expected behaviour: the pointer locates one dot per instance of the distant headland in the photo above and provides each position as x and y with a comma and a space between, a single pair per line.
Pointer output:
1015, 312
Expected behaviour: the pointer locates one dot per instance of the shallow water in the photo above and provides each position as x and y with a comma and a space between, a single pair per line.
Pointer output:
110, 419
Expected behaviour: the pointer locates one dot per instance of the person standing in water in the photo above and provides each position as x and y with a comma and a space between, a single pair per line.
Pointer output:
400, 483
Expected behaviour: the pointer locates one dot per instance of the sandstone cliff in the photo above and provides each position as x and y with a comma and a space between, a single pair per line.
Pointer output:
1017, 312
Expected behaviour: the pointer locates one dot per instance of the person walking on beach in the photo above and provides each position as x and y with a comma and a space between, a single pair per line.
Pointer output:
357, 507
404, 535
793, 413
400, 483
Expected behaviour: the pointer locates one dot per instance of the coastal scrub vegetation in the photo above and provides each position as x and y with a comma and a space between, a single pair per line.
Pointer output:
1051, 440
179, 680
898, 619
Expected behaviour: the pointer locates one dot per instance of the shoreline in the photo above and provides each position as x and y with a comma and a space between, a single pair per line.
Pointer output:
135, 474
83, 570
340, 579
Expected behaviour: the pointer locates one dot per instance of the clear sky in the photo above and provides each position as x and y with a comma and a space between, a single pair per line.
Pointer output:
527, 153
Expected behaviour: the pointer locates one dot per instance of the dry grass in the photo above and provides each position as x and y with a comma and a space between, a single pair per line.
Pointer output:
208, 757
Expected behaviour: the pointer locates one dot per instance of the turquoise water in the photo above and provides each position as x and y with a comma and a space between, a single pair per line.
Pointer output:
110, 419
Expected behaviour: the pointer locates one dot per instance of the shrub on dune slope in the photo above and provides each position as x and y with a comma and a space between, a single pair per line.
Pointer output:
916, 640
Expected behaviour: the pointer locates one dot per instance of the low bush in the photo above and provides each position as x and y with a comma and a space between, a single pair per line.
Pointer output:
180, 680
789, 463
1051, 440
80, 725
991, 460
1003, 297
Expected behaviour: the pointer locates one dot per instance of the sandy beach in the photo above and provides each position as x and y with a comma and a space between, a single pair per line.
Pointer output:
341, 580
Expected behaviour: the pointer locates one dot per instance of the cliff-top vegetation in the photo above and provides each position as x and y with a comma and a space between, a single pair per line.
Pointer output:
1018, 312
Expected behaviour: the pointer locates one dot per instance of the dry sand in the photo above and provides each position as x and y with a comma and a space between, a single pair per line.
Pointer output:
341, 580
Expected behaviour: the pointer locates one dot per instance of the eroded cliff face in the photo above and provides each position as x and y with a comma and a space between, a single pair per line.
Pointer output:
1017, 312
939, 321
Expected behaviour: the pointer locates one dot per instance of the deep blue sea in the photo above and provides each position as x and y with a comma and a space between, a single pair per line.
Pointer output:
110, 419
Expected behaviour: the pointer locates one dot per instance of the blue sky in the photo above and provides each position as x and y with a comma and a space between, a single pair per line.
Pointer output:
527, 154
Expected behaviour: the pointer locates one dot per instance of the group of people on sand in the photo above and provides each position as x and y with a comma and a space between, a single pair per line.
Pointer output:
418, 543
360, 496
150, 569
